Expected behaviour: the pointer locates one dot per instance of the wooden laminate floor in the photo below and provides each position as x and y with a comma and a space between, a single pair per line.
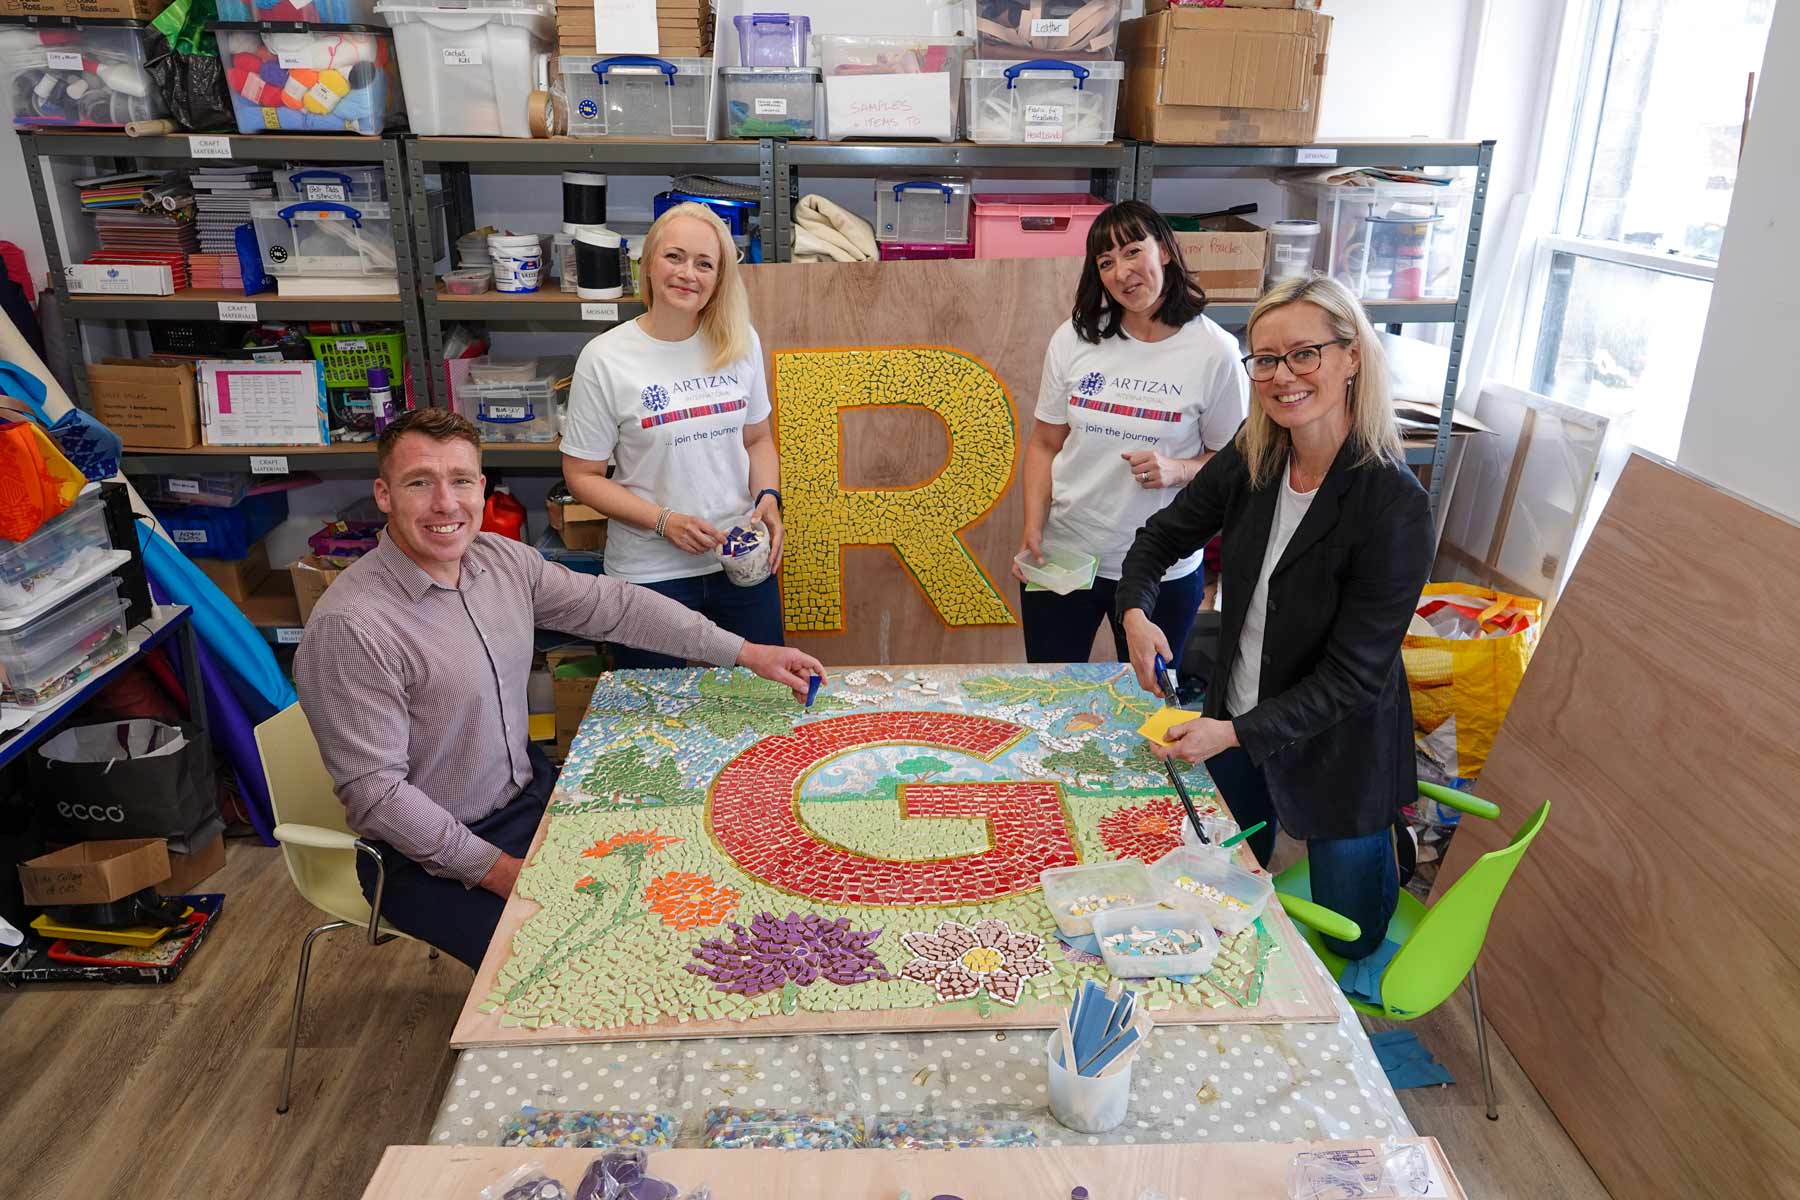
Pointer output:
168, 1093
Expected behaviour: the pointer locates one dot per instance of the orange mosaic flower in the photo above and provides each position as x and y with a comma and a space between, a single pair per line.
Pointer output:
649, 839
1146, 831
685, 900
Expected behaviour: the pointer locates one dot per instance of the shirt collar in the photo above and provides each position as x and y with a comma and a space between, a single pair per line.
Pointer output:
412, 577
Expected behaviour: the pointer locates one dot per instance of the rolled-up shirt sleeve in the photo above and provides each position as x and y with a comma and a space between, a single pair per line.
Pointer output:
610, 610
354, 693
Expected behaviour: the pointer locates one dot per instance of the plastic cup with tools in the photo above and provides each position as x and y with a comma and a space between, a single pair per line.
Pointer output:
1088, 1103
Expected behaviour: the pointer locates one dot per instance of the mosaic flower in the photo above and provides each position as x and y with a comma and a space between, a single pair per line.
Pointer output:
958, 961
685, 900
649, 839
776, 951
588, 883
1146, 831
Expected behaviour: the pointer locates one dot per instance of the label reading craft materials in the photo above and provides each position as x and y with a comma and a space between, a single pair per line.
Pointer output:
1044, 27
185, 487
462, 56
325, 192
771, 106
268, 464
209, 147
599, 312
1316, 156
289, 636
63, 60
237, 310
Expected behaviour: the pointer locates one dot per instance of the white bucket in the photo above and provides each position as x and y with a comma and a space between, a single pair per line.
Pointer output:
518, 261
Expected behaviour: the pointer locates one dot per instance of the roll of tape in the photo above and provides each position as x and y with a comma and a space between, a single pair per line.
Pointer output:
545, 116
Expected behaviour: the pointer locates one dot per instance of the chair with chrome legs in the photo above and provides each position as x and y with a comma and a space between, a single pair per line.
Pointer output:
1438, 945
319, 849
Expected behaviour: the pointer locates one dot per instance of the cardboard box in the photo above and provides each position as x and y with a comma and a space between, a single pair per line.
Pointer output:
1156, 6
1226, 257
129, 10
573, 676
95, 872
119, 279
1224, 76
237, 578
581, 527
187, 871
312, 575
152, 405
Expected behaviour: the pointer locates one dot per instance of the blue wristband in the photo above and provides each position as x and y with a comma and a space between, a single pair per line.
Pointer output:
770, 492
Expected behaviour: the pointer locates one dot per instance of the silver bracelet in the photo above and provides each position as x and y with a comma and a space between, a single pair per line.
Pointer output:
662, 521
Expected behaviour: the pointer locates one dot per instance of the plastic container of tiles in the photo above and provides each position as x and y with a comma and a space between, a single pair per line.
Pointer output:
1044, 101
770, 101
1393, 241
636, 95
81, 75
1062, 571
345, 358
514, 402
890, 86
309, 81
1155, 919
923, 251
302, 12
469, 70
59, 549
228, 533
1052, 25
215, 489
922, 210
1218, 828
1205, 867
1033, 224
350, 183
324, 238
772, 39
1064, 885
43, 659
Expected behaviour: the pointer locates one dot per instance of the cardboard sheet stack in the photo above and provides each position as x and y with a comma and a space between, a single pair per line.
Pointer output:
146, 239
683, 27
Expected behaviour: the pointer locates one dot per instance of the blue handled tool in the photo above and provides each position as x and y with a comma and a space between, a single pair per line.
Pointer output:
1167, 683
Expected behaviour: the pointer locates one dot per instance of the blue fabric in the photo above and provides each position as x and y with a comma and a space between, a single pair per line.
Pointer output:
1062, 628
234, 737
1361, 977
91, 446
1406, 1061
753, 613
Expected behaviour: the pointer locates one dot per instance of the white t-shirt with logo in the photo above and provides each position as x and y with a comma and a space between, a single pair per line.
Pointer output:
1181, 397
673, 426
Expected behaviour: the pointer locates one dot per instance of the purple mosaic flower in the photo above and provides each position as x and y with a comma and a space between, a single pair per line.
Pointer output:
776, 951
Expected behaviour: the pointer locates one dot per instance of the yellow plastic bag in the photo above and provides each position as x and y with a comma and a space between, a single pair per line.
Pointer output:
37, 481
1463, 676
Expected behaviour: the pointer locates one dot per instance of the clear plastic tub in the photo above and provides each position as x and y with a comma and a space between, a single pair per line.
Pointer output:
325, 81
1076, 895
1218, 828
1155, 920
514, 401
922, 210
63, 547
1233, 898
469, 69
636, 95
1033, 224
304, 238
1041, 102
770, 101
923, 251
92, 75
218, 489
887, 86
42, 660
772, 39
1291, 246
350, 183
300, 12
1062, 571
1075, 29
1393, 241
468, 281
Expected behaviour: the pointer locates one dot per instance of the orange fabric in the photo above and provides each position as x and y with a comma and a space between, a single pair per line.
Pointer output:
41, 481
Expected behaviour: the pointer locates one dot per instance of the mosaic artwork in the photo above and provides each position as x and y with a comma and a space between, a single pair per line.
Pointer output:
714, 853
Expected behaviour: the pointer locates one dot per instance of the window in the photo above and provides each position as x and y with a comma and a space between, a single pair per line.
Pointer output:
1621, 288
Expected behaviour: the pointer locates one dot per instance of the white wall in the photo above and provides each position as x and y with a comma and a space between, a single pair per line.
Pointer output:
1396, 67
1743, 427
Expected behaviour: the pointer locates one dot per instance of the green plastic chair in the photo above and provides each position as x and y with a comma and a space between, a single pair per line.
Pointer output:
1438, 945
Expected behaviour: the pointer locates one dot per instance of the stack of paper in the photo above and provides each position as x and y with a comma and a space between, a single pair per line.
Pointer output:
223, 196
145, 239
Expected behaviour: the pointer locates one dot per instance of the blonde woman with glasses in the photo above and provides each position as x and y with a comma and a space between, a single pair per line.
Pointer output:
1327, 540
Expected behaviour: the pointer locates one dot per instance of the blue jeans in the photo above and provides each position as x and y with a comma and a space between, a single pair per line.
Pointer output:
1062, 628
1355, 876
753, 613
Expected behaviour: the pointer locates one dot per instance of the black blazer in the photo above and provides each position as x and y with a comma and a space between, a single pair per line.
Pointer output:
1333, 731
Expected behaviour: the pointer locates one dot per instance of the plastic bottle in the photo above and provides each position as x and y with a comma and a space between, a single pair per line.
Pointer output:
381, 398
504, 515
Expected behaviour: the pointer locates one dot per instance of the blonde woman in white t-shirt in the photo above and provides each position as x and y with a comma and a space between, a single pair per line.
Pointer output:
1139, 389
677, 404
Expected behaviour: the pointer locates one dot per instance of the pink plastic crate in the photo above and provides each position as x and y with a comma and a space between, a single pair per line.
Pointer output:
900, 251
1033, 224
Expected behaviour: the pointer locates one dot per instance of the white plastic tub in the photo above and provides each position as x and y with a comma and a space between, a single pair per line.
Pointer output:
1076, 895
42, 660
933, 211
469, 69
93, 75
1155, 920
636, 95
1062, 571
889, 86
1041, 102
1197, 880
61, 549
324, 238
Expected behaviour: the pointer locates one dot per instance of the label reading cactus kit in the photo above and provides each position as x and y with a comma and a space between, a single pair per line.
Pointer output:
464, 56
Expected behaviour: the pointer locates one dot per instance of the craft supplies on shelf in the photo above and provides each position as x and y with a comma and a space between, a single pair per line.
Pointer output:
215, 489
599, 263
300, 12
1079, 29
636, 95
82, 74
923, 251
1388, 240
1062, 571
313, 81
350, 183
583, 198
770, 101
469, 281
1076, 895
1291, 244
468, 70
43, 659
1033, 224
1198, 880
1041, 101
346, 358
889, 86
228, 533
263, 404
62, 549
1139, 943
772, 39
922, 210
324, 238
515, 401
517, 260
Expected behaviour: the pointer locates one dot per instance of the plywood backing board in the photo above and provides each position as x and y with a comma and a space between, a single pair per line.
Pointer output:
1642, 965
1226, 1171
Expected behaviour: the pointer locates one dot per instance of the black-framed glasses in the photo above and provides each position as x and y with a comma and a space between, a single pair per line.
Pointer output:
1302, 360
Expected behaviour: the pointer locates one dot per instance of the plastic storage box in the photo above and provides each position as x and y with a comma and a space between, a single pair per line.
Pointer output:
61, 549
923, 251
79, 75
1076, 895
1232, 899
770, 101
1043, 101
350, 183
1155, 920
1392, 241
41, 660
469, 69
300, 12
203, 532
1077, 29
891, 86
1033, 224
328, 81
515, 401
324, 238
772, 39
922, 210
1062, 571
218, 489
636, 95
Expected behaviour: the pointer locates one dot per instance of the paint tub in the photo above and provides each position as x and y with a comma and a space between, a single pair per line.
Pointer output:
518, 261
1087, 1103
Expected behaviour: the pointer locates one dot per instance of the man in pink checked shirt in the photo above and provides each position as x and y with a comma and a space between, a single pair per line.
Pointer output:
412, 674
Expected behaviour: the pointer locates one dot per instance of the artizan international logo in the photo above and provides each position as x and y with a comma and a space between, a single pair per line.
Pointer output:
92, 812
655, 398
1091, 383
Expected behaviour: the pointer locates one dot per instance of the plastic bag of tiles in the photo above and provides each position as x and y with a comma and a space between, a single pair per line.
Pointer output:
585, 1128
527, 1181
782, 1129
984, 1128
